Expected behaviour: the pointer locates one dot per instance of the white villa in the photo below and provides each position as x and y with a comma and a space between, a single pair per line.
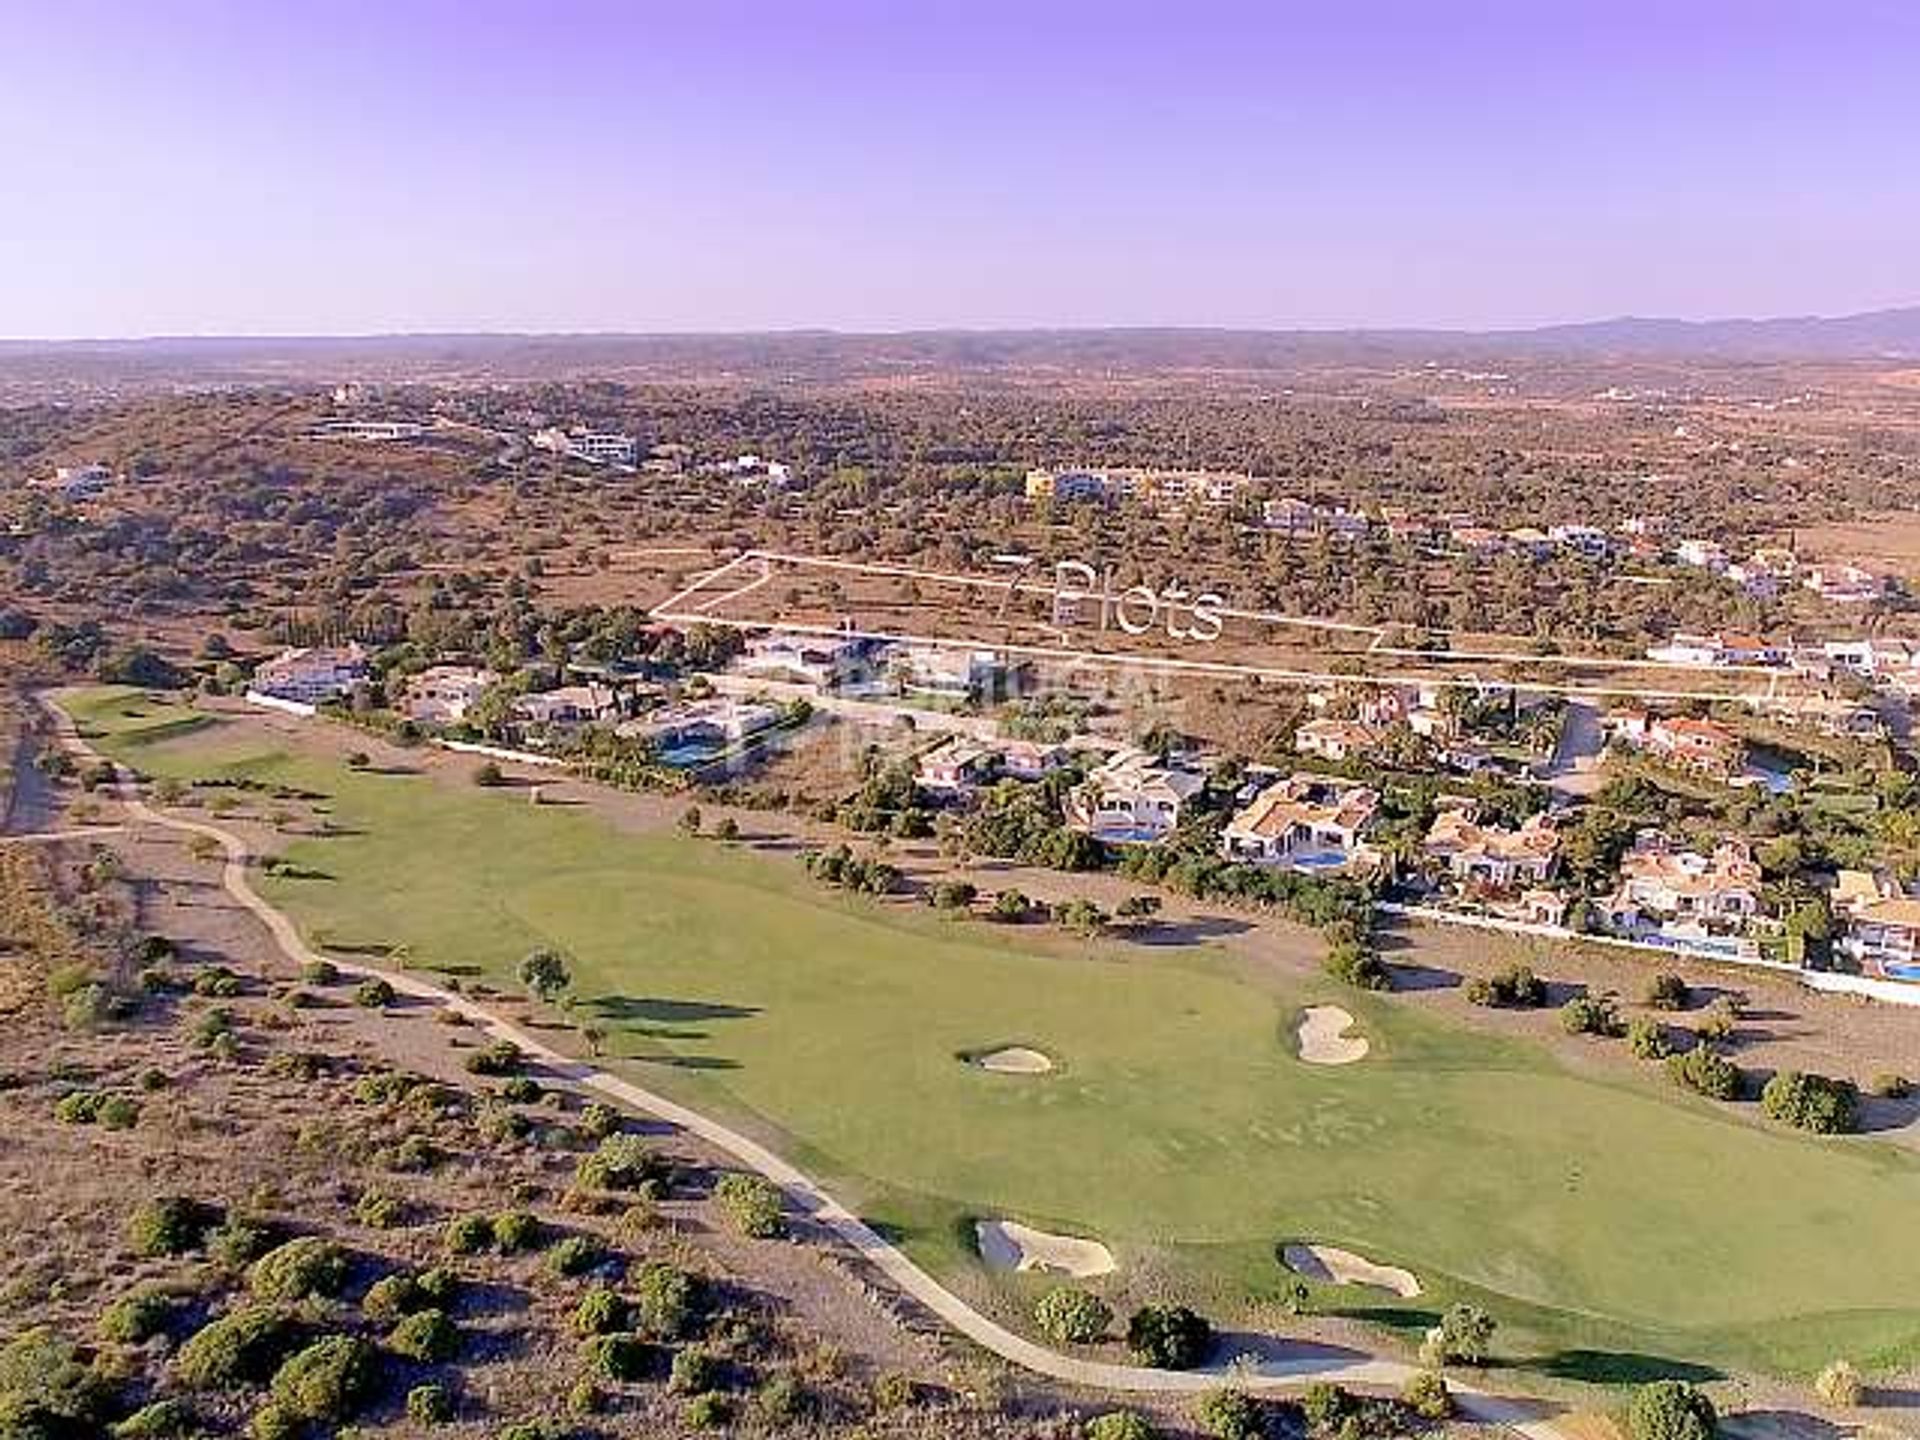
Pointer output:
1493, 855
948, 671
1659, 882
567, 708
311, 674
1307, 823
818, 660
596, 447
956, 766
1335, 740
712, 724
1133, 798
443, 694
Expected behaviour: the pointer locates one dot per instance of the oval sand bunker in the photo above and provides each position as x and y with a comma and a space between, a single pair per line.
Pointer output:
1324, 1039
1008, 1245
1331, 1266
1013, 1060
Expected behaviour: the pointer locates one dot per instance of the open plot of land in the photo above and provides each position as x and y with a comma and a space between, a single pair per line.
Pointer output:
1593, 1210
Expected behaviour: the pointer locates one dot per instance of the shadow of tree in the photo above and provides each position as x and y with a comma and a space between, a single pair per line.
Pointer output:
1617, 1367
653, 1010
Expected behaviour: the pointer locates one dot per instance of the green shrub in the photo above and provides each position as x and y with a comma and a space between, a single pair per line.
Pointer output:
617, 1357
1515, 988
522, 1090
664, 1300
136, 1317
239, 1241
380, 1210
501, 1058
694, 1370
1647, 1039
320, 972
161, 1420
600, 1312
1072, 1317
708, 1411
781, 1400
598, 1121
78, 1107
427, 1336
586, 1397
217, 982
622, 1162
1668, 992
302, 1267
1671, 1410
576, 1255
438, 1286
1840, 1384
390, 1297
429, 1404
1326, 1407
46, 1392
273, 1421
516, 1230
1169, 1337
1463, 1336
169, 1225
1592, 1015
752, 1204
327, 1381
1426, 1394
469, 1234
1228, 1415
239, 1348
1353, 963
1706, 1071
1812, 1102
374, 993
1119, 1425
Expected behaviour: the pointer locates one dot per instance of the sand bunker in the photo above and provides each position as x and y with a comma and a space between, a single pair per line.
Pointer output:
1342, 1267
1006, 1245
1323, 1037
1013, 1060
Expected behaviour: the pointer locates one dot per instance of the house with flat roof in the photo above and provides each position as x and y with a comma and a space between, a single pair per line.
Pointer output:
595, 447
1133, 799
310, 674
570, 707
821, 661
700, 729
1883, 936
1308, 823
443, 694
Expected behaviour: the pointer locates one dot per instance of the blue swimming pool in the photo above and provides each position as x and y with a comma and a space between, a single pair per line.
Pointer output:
1900, 970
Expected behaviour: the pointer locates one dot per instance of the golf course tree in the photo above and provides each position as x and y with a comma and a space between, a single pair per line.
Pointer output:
1461, 1338
545, 973
1671, 1410
1169, 1337
1812, 1102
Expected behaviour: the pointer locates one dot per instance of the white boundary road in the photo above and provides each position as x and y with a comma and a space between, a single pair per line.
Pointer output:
1525, 1417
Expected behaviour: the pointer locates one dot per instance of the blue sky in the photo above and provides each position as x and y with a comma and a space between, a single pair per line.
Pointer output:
198, 166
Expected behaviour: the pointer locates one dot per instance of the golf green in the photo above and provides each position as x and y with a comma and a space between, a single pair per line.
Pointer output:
1180, 1123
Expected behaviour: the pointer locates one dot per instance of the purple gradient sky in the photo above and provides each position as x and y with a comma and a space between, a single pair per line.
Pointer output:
211, 166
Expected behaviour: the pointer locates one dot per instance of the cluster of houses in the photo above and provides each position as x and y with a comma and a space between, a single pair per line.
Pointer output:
604, 448
1170, 488
850, 664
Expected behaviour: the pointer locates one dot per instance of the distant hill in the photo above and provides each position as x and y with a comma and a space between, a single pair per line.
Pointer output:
823, 355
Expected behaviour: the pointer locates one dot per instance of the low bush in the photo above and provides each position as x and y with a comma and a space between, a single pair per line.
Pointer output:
1707, 1072
429, 1404
708, 1411
1072, 1317
169, 1225
238, 1242
1668, 992
373, 993
1228, 1415
501, 1058
427, 1336
1647, 1039
1355, 964
303, 1267
327, 1381
1119, 1425
600, 1312
1169, 1337
1515, 988
1592, 1015
623, 1162
1671, 1410
665, 1300
576, 1255
517, 1230
617, 1357
1812, 1102
694, 1370
239, 1348
469, 1234
1426, 1394
390, 1297
160, 1420
136, 1317
752, 1204
380, 1210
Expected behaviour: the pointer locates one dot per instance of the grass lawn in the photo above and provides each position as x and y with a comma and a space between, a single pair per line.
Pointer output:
1602, 1217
